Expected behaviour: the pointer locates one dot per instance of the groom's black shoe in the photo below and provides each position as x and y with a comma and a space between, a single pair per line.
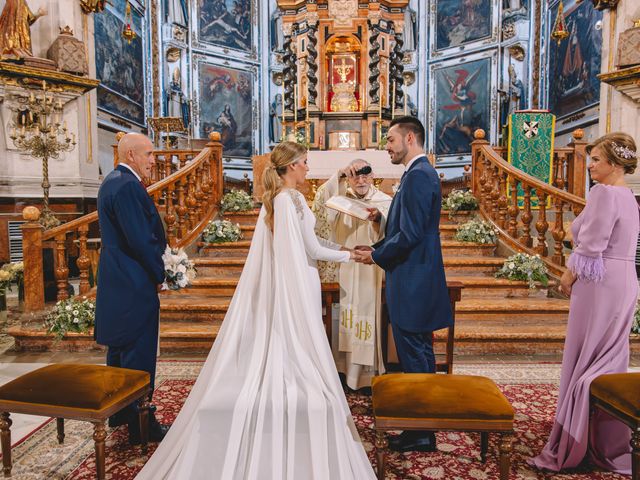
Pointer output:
414, 441
157, 431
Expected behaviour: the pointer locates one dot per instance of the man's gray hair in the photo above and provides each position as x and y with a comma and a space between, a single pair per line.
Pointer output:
358, 160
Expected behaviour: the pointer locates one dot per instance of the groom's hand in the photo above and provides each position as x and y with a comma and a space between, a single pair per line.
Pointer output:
363, 247
362, 254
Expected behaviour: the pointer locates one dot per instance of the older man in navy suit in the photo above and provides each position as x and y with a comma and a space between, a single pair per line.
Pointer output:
410, 254
130, 272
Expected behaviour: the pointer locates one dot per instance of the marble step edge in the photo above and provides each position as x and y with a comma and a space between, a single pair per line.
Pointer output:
469, 281
247, 243
177, 330
448, 260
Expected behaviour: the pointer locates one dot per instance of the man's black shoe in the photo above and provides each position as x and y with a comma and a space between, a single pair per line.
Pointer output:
157, 432
417, 446
418, 441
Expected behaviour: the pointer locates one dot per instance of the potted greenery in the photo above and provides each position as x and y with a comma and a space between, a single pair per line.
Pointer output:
236, 201
71, 315
476, 231
221, 231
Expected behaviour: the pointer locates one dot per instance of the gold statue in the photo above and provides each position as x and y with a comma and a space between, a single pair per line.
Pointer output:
15, 35
344, 99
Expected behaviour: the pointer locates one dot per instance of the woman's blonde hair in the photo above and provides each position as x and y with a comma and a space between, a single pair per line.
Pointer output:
285, 154
619, 149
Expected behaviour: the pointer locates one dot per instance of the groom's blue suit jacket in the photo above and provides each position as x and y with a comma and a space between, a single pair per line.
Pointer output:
410, 253
131, 264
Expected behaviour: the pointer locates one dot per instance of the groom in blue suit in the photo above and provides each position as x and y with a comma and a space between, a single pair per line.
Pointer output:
130, 272
411, 256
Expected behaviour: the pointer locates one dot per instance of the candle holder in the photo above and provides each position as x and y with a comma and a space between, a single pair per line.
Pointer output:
38, 132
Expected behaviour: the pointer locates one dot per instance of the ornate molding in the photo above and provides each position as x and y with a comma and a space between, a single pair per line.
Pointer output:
343, 11
19, 75
626, 81
604, 4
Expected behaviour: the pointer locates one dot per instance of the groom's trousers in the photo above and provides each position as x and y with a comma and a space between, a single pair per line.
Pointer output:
415, 350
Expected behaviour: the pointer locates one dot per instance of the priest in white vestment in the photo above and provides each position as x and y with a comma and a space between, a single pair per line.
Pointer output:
359, 348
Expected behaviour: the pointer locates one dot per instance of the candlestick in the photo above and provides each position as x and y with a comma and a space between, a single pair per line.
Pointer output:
283, 109
295, 107
393, 99
405, 104
307, 109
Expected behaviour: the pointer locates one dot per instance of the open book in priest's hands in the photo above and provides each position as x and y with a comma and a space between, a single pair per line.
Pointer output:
349, 206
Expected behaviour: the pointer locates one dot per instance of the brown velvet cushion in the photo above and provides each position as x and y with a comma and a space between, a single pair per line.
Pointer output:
620, 390
428, 395
92, 387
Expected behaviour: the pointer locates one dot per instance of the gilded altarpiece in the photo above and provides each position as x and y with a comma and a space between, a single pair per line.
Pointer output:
342, 69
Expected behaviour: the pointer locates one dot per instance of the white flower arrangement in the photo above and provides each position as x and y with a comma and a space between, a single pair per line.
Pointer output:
11, 272
635, 326
236, 201
522, 266
71, 315
221, 231
179, 271
477, 231
459, 200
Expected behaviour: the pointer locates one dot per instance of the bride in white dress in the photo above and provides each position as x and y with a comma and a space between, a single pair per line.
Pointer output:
268, 403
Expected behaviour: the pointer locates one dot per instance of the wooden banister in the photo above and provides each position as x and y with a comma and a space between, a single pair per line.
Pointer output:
495, 183
187, 190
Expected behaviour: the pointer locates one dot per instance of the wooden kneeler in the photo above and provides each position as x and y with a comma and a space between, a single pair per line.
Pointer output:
428, 401
90, 393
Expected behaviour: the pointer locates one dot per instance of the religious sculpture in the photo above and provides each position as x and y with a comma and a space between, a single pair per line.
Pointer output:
344, 100
409, 29
15, 34
176, 102
275, 114
514, 99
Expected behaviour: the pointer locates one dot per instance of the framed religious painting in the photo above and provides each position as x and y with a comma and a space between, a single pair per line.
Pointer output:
462, 99
462, 25
573, 64
227, 27
226, 105
120, 66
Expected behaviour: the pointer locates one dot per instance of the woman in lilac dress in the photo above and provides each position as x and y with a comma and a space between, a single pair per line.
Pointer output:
601, 280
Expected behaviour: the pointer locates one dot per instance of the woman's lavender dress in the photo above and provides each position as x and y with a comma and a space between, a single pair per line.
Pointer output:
603, 300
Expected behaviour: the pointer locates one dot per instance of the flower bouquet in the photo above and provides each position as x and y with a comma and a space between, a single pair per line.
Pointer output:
236, 201
71, 315
459, 200
477, 231
179, 271
522, 266
221, 231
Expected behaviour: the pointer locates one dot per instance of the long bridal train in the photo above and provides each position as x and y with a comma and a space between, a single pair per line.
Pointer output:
268, 403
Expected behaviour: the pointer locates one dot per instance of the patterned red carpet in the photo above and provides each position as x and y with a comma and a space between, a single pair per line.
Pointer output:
39, 456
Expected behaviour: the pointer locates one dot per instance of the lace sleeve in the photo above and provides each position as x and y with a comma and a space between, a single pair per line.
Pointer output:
297, 202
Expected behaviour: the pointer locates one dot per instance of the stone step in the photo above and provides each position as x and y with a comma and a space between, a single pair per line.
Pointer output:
471, 264
243, 218
214, 266
467, 264
512, 310
489, 286
247, 231
457, 218
448, 231
475, 286
224, 249
191, 308
236, 249
475, 338
456, 248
